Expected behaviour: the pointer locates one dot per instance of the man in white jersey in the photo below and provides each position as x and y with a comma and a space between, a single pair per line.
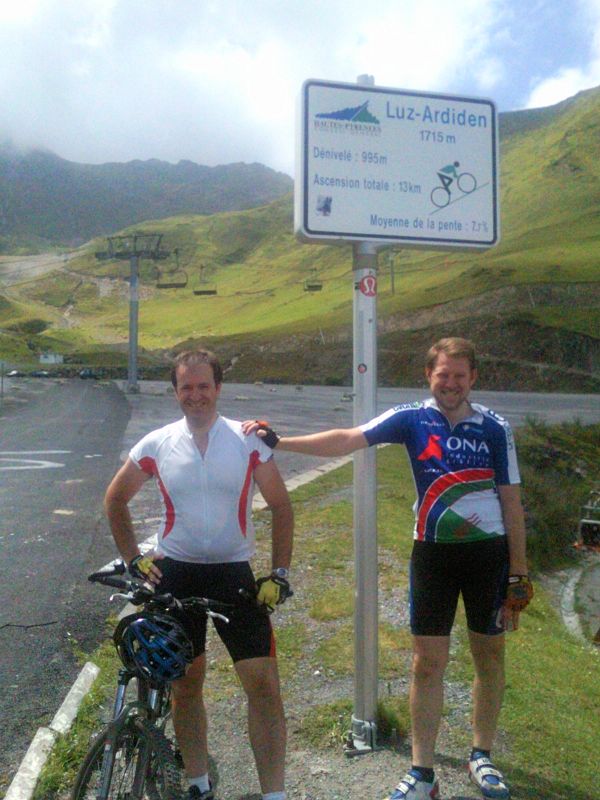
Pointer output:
469, 540
205, 469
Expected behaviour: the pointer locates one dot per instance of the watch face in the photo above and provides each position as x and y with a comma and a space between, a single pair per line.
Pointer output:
281, 572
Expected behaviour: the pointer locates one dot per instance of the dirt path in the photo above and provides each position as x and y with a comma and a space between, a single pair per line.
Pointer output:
19, 269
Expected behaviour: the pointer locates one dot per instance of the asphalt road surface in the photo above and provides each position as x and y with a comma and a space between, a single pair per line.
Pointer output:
59, 447
307, 409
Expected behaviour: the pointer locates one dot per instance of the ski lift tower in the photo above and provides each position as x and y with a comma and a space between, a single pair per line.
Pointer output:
131, 248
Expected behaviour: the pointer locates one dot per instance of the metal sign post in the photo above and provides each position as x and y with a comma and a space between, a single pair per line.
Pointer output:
134, 303
363, 734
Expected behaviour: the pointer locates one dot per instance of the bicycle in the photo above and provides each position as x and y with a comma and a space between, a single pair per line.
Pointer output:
132, 758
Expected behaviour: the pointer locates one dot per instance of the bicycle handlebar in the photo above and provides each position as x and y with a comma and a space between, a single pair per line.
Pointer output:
139, 594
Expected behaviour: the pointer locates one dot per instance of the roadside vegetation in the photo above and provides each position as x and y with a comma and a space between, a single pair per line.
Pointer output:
550, 723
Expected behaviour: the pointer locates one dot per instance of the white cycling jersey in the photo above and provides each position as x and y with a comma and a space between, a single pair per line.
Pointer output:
207, 499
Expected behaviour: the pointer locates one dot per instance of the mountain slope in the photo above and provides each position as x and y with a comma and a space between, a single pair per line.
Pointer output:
44, 196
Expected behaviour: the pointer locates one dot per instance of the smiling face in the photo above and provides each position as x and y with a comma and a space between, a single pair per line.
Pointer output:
450, 380
197, 393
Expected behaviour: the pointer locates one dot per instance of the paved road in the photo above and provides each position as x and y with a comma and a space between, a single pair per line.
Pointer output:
57, 452
313, 408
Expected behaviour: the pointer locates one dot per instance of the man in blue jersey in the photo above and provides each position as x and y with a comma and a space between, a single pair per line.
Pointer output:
469, 540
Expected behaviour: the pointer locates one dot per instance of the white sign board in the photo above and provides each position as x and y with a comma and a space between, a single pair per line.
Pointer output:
396, 167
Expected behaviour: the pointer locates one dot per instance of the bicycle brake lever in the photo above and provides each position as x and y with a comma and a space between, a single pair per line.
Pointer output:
214, 614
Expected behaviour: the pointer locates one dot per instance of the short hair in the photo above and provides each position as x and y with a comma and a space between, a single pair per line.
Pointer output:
191, 357
453, 347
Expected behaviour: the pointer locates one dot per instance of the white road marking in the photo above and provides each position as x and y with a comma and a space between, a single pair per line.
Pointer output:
66, 512
17, 463
29, 463
32, 452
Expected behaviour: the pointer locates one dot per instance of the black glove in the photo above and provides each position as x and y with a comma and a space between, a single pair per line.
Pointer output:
140, 566
271, 439
272, 591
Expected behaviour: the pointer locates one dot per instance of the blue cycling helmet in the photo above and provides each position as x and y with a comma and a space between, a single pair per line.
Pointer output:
155, 647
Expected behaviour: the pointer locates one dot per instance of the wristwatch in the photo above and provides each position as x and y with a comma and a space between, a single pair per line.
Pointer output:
281, 572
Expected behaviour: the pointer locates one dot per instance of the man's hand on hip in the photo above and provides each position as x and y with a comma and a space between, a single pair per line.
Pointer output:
272, 591
143, 567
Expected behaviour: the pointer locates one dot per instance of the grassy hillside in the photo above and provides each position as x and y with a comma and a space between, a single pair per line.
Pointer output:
532, 303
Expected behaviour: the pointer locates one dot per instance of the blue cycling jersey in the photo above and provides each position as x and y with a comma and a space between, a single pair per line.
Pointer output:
456, 468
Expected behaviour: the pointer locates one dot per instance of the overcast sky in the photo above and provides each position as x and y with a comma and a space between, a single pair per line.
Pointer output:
216, 81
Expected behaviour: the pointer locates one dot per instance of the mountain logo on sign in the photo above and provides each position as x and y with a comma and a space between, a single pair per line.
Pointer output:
357, 114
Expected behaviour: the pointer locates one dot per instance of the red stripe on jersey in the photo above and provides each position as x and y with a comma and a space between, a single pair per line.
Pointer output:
273, 650
442, 484
148, 465
242, 513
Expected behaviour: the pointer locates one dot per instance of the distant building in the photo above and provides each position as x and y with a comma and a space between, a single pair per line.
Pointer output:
51, 358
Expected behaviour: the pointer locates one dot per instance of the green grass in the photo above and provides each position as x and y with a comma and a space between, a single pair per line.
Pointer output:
327, 725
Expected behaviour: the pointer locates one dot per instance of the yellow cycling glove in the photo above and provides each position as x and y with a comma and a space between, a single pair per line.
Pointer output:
140, 567
272, 591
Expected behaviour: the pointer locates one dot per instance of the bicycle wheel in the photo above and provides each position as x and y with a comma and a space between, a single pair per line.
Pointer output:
466, 182
139, 748
440, 197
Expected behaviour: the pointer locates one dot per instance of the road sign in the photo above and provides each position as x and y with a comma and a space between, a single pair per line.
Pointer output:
396, 167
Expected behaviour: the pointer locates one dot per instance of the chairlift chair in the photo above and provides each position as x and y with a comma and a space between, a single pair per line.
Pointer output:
204, 288
313, 284
176, 279
172, 280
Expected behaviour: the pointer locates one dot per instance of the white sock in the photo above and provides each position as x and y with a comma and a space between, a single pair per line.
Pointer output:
201, 782
274, 796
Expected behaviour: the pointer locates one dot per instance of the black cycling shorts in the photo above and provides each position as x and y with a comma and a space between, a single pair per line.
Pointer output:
248, 634
440, 572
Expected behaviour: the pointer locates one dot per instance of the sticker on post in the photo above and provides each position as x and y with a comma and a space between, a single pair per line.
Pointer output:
368, 285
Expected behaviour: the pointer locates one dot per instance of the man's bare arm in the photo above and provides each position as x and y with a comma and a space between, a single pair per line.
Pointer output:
334, 442
272, 488
514, 524
123, 487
